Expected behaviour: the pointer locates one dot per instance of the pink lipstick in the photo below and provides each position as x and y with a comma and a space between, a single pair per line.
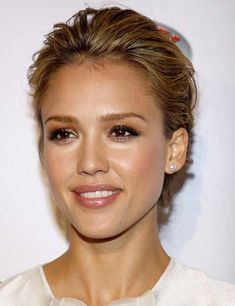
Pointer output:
96, 196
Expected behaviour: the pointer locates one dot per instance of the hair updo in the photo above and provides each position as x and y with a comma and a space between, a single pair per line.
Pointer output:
123, 34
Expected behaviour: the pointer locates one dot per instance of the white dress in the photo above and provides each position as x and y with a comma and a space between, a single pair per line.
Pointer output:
179, 285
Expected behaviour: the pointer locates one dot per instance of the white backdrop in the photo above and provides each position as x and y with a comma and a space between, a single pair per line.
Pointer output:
202, 227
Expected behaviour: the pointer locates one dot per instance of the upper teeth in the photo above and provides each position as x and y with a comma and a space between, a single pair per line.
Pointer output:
97, 194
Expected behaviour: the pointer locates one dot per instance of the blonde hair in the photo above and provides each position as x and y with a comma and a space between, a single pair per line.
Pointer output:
124, 34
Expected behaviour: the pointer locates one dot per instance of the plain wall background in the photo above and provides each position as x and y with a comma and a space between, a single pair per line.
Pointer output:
201, 229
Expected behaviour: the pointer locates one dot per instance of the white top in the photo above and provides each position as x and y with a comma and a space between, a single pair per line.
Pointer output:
179, 285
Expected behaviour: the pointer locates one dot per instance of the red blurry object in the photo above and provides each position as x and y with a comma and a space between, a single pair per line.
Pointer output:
175, 38
163, 30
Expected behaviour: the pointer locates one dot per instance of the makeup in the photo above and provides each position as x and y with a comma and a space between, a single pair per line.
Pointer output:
96, 196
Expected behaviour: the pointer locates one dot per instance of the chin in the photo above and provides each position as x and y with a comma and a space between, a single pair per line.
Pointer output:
97, 234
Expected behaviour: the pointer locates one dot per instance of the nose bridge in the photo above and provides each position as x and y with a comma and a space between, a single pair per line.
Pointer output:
92, 155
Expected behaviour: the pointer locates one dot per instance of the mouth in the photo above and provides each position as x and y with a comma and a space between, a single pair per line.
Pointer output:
96, 196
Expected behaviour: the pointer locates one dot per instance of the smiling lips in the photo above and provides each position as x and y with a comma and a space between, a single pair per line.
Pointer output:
96, 196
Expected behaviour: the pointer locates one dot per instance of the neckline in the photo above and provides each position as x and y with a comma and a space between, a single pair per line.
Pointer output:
155, 288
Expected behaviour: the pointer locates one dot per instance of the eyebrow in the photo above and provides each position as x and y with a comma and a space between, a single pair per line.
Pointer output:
66, 119
119, 116
103, 118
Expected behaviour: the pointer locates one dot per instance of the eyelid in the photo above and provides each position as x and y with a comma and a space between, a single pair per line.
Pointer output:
65, 135
133, 132
53, 134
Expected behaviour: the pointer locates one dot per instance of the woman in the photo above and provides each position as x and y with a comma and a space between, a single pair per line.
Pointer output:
113, 98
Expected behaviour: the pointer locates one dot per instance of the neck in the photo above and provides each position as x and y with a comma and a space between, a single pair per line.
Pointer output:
109, 269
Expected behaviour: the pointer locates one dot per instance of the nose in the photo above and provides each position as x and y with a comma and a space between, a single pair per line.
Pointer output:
92, 158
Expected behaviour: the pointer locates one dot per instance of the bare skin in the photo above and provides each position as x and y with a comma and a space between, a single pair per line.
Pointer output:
114, 251
98, 273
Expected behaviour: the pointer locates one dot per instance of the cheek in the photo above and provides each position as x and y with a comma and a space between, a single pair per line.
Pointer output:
58, 167
145, 163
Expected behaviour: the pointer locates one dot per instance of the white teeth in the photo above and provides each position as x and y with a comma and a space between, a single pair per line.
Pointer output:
97, 194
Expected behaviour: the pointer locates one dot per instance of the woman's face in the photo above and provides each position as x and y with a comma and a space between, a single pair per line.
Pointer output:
104, 149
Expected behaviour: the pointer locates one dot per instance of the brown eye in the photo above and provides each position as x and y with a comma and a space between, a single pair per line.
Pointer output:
61, 135
122, 132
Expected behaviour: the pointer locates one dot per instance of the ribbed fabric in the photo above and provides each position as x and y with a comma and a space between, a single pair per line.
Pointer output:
179, 285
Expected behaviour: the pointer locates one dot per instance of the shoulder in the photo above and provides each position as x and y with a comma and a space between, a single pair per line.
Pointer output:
190, 286
26, 288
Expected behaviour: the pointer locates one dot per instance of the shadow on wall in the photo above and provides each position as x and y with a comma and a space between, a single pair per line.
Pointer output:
186, 207
174, 183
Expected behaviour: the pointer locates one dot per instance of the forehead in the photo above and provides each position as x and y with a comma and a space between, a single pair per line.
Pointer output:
95, 87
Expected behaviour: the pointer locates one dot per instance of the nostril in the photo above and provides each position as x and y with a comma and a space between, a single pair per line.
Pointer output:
92, 168
90, 172
92, 157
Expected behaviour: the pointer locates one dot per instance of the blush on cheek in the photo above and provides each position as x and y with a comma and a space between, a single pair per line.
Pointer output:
145, 170
149, 160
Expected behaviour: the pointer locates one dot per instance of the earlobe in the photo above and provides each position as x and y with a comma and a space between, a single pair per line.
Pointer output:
173, 168
176, 151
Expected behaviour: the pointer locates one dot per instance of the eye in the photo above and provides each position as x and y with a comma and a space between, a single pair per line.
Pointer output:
62, 135
122, 133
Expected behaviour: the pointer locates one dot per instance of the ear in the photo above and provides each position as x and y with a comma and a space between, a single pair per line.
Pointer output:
176, 151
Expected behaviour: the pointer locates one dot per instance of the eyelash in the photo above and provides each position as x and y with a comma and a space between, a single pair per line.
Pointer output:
64, 134
61, 135
123, 128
